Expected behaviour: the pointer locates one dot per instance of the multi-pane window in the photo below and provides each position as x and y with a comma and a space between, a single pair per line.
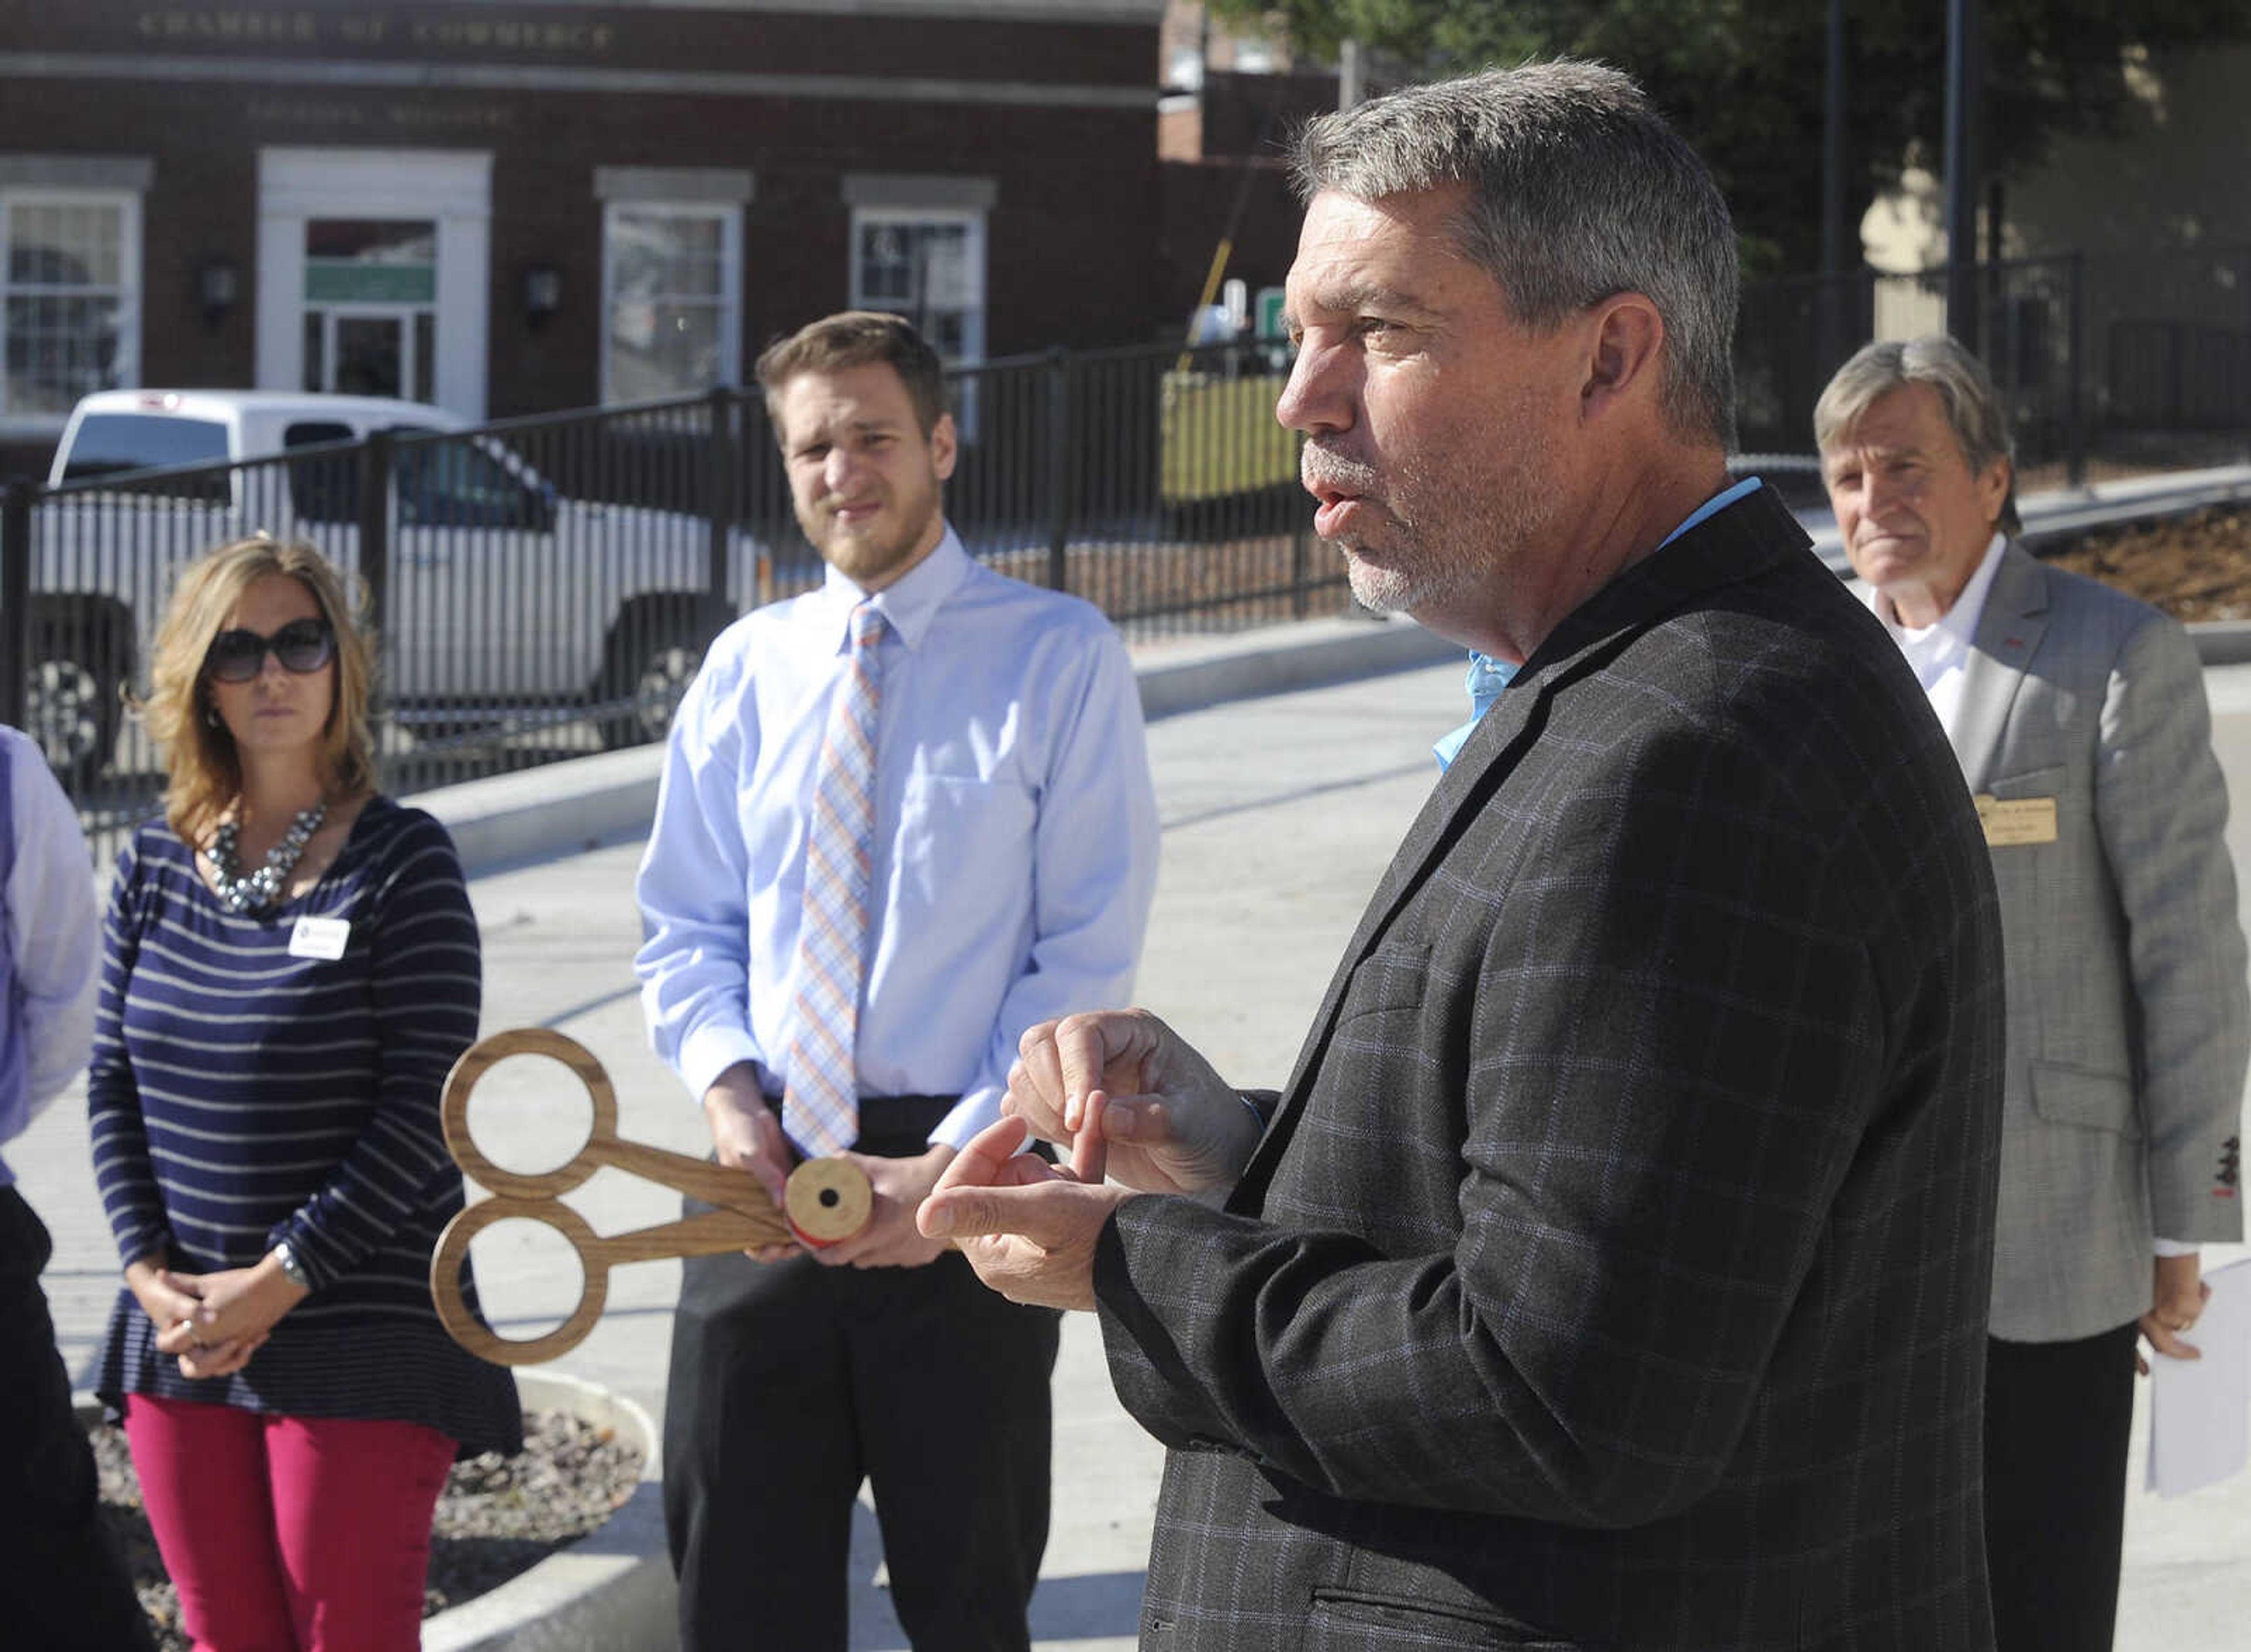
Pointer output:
70, 290
672, 285
928, 265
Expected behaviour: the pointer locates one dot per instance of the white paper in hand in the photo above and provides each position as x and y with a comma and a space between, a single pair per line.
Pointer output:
2200, 1409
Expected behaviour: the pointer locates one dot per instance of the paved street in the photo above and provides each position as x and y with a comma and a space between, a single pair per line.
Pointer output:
1278, 814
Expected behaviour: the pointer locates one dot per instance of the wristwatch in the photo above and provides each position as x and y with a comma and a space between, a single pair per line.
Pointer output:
285, 1258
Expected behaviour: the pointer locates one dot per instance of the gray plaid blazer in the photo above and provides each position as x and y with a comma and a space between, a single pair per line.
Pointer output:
2128, 1017
1613, 1271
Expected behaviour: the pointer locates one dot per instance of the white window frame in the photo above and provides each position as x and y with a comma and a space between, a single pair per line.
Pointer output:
128, 204
452, 188
972, 328
729, 217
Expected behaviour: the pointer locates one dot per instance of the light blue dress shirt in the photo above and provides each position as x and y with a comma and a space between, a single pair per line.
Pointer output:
1488, 675
1015, 847
50, 936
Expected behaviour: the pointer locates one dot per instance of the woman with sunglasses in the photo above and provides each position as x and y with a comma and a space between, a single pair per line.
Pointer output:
290, 967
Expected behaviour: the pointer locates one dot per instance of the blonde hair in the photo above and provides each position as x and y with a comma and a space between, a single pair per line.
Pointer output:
203, 770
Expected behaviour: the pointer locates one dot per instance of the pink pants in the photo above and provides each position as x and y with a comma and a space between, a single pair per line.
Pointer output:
289, 1534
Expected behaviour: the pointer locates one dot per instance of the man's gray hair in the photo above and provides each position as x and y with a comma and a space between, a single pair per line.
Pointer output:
1965, 390
1578, 191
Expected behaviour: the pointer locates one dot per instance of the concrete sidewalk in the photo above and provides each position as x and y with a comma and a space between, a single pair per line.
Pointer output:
1278, 815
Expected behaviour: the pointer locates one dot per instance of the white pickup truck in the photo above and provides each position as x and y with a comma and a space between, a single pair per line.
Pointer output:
504, 599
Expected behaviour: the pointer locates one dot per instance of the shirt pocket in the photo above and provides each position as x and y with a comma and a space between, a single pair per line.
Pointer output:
955, 827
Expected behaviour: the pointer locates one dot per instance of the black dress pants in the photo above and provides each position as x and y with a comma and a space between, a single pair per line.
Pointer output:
63, 1584
789, 1382
2057, 1418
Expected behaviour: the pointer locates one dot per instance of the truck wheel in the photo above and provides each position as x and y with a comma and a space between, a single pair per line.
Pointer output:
71, 707
642, 687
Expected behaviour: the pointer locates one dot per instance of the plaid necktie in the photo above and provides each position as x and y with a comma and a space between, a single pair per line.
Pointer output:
821, 1106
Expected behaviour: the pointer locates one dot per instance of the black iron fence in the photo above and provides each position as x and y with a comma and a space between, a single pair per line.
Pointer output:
2109, 365
545, 587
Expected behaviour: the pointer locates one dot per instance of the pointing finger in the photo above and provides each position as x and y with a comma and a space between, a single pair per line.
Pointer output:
1090, 1149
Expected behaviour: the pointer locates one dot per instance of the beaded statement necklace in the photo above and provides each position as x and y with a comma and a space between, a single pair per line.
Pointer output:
242, 892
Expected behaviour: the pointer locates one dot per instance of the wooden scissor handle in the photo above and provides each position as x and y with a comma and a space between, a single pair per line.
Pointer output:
472, 1333
479, 1059
825, 1200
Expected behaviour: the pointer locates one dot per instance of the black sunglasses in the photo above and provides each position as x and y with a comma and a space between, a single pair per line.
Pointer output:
302, 646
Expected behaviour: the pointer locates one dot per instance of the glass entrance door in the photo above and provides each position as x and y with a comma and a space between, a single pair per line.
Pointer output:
367, 350
370, 307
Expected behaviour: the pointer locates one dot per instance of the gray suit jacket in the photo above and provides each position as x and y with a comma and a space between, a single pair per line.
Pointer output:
2128, 1011
1613, 1271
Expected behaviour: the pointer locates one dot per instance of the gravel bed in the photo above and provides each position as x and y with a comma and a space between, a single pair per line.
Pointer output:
498, 1516
2194, 567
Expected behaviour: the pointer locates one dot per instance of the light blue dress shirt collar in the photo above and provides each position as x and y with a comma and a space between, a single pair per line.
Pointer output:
1713, 506
910, 602
1487, 678
1488, 675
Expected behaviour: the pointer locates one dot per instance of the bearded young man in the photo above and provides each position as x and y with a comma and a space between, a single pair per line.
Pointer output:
1611, 1270
904, 818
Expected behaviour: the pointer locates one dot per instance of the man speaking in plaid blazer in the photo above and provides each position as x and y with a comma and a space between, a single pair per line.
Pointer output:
1612, 1270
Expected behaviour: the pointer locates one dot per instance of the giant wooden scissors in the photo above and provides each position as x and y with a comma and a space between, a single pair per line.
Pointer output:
825, 1200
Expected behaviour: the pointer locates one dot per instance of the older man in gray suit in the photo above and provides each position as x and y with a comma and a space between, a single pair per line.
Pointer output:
2079, 719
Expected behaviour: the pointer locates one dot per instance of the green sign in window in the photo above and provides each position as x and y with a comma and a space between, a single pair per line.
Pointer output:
344, 281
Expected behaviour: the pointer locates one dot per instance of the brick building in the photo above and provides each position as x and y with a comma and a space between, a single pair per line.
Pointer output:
505, 206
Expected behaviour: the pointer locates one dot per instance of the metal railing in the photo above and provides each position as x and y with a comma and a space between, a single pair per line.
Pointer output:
2109, 365
543, 587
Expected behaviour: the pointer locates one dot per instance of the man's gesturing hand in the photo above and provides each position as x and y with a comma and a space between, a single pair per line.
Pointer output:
1027, 1226
1166, 1122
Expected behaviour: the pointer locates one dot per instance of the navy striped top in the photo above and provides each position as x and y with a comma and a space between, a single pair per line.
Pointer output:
241, 1095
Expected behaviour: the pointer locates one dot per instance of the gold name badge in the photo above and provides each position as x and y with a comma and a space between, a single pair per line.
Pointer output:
2009, 822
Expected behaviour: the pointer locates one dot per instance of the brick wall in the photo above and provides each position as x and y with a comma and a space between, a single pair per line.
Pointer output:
1072, 250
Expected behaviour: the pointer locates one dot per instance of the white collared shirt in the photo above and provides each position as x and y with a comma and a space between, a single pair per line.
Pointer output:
1939, 653
1016, 849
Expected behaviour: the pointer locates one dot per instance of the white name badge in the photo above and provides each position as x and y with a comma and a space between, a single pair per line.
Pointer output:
320, 938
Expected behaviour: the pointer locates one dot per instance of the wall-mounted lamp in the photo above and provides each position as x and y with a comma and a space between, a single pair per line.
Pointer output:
543, 293
218, 283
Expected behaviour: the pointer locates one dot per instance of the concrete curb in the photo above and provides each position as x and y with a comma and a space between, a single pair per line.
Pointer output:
1188, 676
542, 814
604, 1591
2222, 642
589, 802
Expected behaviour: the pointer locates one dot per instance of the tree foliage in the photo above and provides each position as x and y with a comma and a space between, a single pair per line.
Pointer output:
1744, 80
